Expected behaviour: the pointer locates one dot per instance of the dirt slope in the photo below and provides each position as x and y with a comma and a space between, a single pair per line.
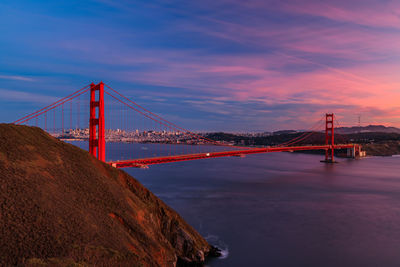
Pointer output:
59, 206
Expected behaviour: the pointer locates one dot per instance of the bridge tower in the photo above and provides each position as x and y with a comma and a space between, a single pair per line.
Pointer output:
97, 143
329, 138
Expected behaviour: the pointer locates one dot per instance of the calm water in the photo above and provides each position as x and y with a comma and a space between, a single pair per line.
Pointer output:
286, 209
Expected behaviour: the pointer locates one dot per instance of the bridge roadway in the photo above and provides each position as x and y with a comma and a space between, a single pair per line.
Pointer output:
143, 163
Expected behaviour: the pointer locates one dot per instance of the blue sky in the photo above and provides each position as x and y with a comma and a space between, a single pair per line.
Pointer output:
208, 65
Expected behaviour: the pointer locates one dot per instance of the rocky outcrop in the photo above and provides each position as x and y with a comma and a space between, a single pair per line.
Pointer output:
60, 207
383, 148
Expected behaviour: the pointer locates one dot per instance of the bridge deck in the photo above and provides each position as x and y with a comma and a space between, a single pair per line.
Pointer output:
140, 163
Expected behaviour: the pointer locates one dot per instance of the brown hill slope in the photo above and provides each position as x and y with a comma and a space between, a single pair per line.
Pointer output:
60, 206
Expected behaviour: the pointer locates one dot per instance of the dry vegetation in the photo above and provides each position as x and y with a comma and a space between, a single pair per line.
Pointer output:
62, 207
387, 148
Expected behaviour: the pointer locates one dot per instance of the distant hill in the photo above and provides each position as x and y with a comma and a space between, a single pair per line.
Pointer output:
62, 207
352, 130
367, 129
284, 132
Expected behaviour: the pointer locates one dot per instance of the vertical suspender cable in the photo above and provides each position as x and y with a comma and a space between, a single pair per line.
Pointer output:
70, 115
62, 117
78, 113
54, 121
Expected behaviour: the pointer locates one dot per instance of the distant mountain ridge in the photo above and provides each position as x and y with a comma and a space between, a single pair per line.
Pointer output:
367, 129
350, 130
284, 132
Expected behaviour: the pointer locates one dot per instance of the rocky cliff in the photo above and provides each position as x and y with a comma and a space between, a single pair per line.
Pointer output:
62, 207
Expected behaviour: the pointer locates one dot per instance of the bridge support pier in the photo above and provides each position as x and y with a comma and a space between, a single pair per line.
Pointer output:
351, 152
97, 144
329, 139
355, 152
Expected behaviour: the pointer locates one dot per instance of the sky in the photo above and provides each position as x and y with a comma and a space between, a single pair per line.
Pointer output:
223, 65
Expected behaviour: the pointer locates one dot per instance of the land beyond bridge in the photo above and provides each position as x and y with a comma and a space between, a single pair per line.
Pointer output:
374, 143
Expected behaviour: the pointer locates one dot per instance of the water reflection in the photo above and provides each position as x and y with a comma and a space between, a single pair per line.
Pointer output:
287, 209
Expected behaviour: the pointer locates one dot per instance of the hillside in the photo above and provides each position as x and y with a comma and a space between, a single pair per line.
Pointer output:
62, 207
367, 129
387, 148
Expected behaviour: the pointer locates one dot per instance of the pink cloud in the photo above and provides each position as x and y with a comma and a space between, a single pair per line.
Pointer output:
328, 64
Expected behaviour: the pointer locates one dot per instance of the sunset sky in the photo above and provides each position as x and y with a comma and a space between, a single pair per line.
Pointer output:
209, 65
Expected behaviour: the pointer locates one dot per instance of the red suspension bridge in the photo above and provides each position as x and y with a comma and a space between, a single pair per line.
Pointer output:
100, 114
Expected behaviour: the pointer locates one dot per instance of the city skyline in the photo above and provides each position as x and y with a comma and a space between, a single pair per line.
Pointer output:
209, 66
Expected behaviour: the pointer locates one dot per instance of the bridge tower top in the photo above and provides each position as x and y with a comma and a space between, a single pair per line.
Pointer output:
329, 137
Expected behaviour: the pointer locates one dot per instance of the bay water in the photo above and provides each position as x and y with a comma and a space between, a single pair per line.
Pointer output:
284, 209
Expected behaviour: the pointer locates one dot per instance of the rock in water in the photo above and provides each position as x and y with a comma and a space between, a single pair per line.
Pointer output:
60, 207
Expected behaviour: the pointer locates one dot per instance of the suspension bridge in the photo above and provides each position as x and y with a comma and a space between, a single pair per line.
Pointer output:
100, 114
